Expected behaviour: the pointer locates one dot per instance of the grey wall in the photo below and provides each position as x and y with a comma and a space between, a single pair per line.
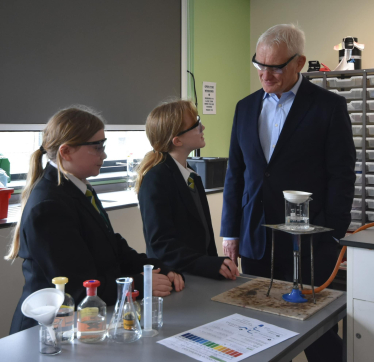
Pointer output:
121, 57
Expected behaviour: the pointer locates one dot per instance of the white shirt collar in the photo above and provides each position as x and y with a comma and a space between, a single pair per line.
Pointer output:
293, 90
184, 170
75, 180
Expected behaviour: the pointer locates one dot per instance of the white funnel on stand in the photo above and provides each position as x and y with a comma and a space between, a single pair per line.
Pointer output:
43, 306
296, 197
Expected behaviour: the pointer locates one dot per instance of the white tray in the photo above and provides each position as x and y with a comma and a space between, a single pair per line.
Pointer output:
317, 81
357, 130
355, 93
369, 129
370, 154
356, 214
355, 106
354, 225
370, 215
370, 142
370, 117
357, 117
345, 83
357, 141
369, 191
370, 203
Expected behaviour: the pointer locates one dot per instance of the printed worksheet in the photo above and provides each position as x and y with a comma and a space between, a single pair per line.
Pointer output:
232, 338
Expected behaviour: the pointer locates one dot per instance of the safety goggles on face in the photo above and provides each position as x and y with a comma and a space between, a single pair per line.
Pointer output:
278, 69
197, 124
98, 146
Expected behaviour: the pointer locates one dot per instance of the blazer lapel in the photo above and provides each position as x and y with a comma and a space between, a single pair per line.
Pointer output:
182, 187
299, 109
254, 114
204, 201
84, 203
97, 219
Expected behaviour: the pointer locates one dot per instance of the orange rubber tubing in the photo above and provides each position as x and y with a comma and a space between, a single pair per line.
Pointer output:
335, 271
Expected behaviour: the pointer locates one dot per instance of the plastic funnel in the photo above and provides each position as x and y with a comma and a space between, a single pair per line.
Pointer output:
297, 197
43, 305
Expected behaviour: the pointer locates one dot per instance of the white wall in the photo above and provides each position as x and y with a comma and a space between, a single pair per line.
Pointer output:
325, 24
125, 221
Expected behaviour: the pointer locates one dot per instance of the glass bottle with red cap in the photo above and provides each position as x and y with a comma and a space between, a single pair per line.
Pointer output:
91, 322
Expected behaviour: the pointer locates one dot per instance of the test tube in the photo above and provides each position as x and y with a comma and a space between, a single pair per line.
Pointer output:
148, 331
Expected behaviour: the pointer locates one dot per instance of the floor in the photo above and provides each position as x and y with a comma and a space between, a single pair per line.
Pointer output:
301, 357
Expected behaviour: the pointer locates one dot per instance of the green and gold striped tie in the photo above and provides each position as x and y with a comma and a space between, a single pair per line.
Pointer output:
191, 181
90, 196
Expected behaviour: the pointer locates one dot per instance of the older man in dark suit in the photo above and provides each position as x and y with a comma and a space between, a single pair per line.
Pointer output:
289, 135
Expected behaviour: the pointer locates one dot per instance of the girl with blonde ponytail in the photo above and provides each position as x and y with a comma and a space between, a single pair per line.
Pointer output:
176, 219
63, 229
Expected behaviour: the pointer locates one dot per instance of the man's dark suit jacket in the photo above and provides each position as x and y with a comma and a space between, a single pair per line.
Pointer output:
173, 230
315, 153
62, 234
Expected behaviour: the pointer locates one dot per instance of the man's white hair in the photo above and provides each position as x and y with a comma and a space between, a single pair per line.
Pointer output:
289, 34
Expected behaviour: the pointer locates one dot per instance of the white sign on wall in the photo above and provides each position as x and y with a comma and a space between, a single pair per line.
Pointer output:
209, 97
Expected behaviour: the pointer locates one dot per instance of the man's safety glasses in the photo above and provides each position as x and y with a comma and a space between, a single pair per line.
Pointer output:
197, 124
98, 146
278, 69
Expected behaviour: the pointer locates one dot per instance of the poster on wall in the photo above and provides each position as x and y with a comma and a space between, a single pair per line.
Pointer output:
209, 97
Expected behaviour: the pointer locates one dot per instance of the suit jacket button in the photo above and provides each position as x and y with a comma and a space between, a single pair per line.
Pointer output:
267, 174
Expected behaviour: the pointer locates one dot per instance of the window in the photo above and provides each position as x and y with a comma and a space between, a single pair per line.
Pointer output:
121, 146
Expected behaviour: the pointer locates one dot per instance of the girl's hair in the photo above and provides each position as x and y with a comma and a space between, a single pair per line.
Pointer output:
70, 126
162, 125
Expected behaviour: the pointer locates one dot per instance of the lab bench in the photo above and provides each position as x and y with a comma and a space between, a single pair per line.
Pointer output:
183, 311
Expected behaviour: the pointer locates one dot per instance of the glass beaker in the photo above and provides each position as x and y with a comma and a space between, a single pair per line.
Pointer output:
124, 326
297, 214
157, 313
50, 344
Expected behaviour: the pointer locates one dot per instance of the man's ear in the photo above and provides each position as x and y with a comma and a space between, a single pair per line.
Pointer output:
177, 142
300, 63
65, 152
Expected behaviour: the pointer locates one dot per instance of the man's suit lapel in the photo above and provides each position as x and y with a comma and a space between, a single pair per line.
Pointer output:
254, 113
182, 186
299, 109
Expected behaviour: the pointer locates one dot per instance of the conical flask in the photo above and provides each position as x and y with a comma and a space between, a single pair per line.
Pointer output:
124, 326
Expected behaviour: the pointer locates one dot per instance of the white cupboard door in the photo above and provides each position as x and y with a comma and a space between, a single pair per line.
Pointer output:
363, 331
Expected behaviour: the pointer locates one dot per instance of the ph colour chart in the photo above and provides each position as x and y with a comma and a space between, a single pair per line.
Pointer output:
210, 344
229, 339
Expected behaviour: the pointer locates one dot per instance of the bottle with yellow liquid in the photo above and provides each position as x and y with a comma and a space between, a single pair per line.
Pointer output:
66, 312
91, 322
124, 326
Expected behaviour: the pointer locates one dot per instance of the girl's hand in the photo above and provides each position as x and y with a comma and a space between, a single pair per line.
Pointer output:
161, 285
177, 280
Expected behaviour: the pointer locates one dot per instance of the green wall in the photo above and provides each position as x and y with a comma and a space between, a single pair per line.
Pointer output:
219, 52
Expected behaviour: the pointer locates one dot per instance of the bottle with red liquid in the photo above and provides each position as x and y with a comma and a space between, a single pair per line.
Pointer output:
91, 322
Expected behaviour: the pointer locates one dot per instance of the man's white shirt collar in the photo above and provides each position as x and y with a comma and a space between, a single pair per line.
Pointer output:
75, 180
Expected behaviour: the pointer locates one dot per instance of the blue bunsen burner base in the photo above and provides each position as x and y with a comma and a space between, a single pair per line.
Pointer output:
294, 297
